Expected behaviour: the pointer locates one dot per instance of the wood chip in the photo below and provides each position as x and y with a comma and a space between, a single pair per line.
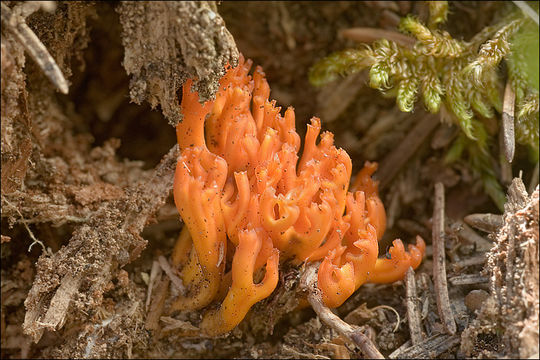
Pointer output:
486, 222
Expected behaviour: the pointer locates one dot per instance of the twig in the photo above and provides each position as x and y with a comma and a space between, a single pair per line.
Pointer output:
429, 348
368, 35
439, 262
468, 279
308, 282
413, 313
485, 222
508, 122
475, 260
527, 10
34, 47
392, 163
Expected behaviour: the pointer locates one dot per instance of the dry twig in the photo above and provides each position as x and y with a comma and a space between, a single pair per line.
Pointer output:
308, 282
429, 348
468, 279
35, 48
413, 313
439, 262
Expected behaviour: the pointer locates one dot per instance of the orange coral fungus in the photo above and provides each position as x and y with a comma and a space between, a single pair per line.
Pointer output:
244, 193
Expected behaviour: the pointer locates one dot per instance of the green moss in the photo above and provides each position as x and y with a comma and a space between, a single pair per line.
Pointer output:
462, 76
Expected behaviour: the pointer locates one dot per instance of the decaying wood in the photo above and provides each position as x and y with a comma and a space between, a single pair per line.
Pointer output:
116, 228
510, 313
308, 282
439, 262
196, 34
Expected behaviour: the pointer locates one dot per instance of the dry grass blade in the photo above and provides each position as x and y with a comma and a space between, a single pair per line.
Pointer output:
308, 282
35, 48
439, 262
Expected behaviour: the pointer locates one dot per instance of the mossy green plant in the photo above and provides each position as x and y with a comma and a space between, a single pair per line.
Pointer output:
463, 76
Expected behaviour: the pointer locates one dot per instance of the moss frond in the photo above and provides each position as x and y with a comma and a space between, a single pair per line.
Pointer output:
339, 64
492, 52
463, 76
438, 11
406, 97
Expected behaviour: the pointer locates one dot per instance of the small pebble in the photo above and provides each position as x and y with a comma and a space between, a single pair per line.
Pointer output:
475, 299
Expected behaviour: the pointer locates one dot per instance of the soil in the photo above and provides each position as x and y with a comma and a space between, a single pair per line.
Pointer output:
88, 219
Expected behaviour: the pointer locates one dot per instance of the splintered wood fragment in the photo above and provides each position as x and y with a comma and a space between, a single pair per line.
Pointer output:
439, 262
59, 305
508, 122
429, 348
517, 196
468, 279
392, 163
486, 222
164, 264
413, 313
157, 304
368, 35
34, 47
308, 282
182, 328
154, 273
